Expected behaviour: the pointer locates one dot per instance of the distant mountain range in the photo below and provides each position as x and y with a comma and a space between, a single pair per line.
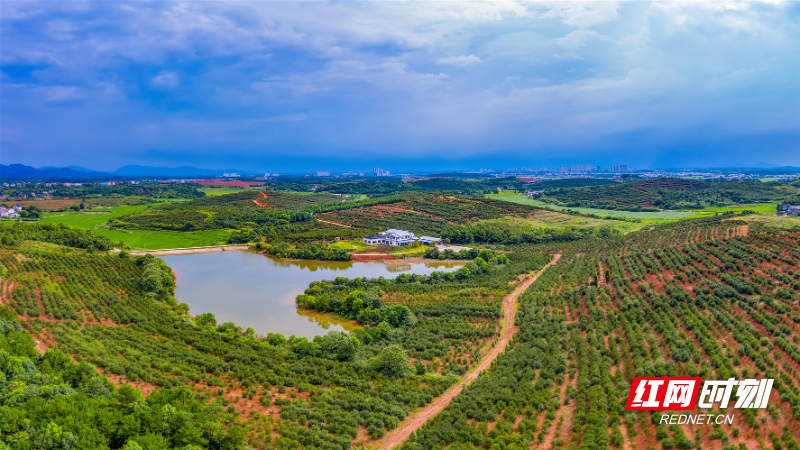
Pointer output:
23, 172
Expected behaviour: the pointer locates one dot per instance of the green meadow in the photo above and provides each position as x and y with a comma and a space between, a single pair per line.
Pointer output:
155, 240
136, 239
758, 208
215, 191
89, 221
655, 216
350, 245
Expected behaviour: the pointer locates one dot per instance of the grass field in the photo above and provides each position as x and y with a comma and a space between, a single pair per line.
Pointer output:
775, 221
155, 240
408, 251
213, 192
658, 216
557, 221
90, 221
759, 208
51, 205
136, 239
351, 245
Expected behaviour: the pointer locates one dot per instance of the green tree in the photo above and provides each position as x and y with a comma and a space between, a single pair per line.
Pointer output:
207, 319
339, 345
392, 361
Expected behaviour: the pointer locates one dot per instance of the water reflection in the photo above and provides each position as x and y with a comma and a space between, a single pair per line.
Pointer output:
314, 266
325, 321
398, 267
255, 291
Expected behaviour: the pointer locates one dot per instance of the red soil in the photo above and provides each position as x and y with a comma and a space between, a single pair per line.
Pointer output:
334, 223
415, 420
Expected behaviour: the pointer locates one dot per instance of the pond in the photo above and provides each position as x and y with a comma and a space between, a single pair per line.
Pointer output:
252, 290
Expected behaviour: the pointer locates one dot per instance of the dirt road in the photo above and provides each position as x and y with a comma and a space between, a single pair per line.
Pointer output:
418, 418
188, 250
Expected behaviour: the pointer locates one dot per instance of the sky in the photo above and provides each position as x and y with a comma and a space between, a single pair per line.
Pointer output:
305, 86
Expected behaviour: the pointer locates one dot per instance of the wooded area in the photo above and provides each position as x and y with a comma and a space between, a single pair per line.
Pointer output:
96, 352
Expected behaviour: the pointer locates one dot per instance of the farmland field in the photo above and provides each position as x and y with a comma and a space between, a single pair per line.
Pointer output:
136, 239
670, 194
644, 216
54, 204
569, 308
759, 208
90, 221
214, 191
118, 313
649, 304
156, 240
351, 245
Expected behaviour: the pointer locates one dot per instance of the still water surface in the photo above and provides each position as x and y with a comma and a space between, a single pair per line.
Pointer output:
252, 290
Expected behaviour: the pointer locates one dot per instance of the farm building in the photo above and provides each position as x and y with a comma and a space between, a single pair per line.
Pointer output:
792, 210
428, 240
398, 238
10, 213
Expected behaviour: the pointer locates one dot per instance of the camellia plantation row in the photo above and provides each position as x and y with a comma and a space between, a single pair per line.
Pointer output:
305, 220
717, 300
118, 313
96, 352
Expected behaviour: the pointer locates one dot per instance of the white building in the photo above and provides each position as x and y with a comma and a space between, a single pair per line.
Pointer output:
9, 213
428, 240
395, 238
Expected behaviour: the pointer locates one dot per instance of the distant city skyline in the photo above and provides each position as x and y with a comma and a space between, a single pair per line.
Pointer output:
336, 86
585, 170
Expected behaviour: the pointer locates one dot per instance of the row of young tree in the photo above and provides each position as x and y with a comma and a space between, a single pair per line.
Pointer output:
96, 190
119, 313
472, 253
12, 234
666, 193
505, 233
50, 402
697, 300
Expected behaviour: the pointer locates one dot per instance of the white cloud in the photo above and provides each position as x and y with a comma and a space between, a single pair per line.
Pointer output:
577, 39
348, 77
165, 80
459, 61
584, 14
547, 72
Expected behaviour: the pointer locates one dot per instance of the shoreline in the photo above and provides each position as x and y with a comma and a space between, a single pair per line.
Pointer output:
189, 250
226, 248
417, 260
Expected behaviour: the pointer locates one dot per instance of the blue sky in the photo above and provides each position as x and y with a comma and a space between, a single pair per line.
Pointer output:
303, 86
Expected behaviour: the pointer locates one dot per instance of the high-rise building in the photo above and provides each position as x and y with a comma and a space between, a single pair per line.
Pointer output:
379, 172
578, 169
619, 168
323, 173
